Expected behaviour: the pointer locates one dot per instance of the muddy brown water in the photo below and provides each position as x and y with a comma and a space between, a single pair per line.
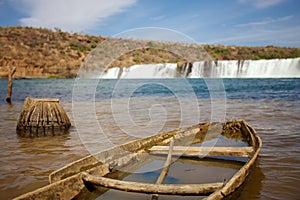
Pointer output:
27, 162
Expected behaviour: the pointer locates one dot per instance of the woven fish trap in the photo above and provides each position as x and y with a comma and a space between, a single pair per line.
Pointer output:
42, 117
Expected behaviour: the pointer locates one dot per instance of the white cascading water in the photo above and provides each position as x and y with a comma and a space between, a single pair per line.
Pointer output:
167, 70
111, 73
227, 68
197, 70
273, 68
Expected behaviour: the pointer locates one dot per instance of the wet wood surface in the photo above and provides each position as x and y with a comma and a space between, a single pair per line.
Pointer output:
204, 151
173, 189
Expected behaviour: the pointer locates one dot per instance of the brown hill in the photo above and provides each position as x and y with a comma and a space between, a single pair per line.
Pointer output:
42, 53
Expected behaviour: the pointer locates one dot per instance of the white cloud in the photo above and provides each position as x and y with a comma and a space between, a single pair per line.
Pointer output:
266, 21
71, 15
262, 3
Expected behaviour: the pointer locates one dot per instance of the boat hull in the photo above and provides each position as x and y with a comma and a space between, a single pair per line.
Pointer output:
81, 178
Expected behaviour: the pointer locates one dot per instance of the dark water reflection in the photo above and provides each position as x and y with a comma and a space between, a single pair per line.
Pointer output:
254, 184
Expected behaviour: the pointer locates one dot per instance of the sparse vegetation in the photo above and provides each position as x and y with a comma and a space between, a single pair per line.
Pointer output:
220, 52
53, 77
43, 52
38, 52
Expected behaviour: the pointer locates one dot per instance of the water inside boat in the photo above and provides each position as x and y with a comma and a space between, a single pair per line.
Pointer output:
183, 170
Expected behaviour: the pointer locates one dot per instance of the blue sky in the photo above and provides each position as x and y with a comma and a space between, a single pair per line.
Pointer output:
228, 22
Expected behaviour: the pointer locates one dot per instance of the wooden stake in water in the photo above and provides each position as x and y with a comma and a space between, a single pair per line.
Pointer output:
10, 84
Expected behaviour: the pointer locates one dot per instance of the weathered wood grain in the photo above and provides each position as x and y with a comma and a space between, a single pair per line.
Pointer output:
204, 151
171, 189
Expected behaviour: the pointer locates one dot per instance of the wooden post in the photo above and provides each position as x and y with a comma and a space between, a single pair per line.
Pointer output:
165, 170
10, 84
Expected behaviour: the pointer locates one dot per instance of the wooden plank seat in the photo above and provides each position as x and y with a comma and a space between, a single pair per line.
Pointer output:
203, 151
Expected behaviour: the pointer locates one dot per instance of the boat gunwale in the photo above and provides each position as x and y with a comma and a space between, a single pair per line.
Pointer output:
94, 160
239, 177
153, 188
226, 190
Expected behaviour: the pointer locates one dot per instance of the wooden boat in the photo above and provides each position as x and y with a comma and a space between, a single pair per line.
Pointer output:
96, 174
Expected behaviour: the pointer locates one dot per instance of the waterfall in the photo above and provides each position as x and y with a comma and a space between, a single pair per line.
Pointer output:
197, 70
111, 73
227, 68
273, 68
202, 69
167, 70
185, 70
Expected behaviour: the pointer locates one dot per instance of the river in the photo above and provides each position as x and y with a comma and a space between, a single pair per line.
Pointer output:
271, 106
